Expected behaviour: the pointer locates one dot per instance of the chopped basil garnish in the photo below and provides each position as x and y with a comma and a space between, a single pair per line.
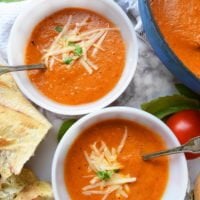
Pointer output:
105, 175
68, 60
58, 29
78, 51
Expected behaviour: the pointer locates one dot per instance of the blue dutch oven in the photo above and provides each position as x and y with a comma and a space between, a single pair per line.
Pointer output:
163, 51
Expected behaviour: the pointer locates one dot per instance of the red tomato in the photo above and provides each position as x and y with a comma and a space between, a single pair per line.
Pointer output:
185, 125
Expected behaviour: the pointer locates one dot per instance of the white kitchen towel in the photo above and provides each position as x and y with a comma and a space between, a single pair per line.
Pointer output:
131, 8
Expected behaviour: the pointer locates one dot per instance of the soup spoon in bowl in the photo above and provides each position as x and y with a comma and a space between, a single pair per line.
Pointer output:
6, 69
192, 146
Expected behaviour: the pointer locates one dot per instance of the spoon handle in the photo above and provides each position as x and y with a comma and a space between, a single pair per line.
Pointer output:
192, 146
6, 69
176, 150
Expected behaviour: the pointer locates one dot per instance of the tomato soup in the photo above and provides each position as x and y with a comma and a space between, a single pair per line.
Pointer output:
84, 52
90, 174
178, 21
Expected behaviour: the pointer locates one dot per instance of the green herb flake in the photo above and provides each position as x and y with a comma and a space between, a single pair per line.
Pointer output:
64, 128
68, 61
78, 51
105, 175
71, 43
58, 29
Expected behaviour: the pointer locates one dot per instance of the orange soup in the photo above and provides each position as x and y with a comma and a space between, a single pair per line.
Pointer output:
105, 162
178, 21
84, 53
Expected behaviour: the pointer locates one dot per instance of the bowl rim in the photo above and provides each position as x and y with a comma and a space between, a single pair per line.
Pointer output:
69, 139
75, 110
175, 57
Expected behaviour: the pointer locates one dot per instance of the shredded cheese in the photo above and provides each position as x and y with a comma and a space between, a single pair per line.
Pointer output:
99, 43
121, 145
86, 66
73, 45
97, 30
104, 160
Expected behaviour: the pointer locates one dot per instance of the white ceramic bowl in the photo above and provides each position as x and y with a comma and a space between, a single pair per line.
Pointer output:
178, 172
38, 10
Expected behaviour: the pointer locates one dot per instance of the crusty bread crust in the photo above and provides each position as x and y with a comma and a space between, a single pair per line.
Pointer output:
197, 189
22, 128
25, 186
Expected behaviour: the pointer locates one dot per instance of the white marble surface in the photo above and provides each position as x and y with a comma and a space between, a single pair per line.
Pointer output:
151, 80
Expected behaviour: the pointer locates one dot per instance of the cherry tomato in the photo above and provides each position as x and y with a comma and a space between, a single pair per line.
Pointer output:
185, 125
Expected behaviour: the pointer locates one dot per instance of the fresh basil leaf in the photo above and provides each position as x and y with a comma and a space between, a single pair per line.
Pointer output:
185, 91
164, 106
58, 29
64, 127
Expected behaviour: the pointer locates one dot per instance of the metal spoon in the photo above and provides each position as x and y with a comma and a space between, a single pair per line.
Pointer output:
6, 69
192, 146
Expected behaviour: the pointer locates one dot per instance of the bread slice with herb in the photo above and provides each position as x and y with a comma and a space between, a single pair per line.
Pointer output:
38, 190
25, 186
